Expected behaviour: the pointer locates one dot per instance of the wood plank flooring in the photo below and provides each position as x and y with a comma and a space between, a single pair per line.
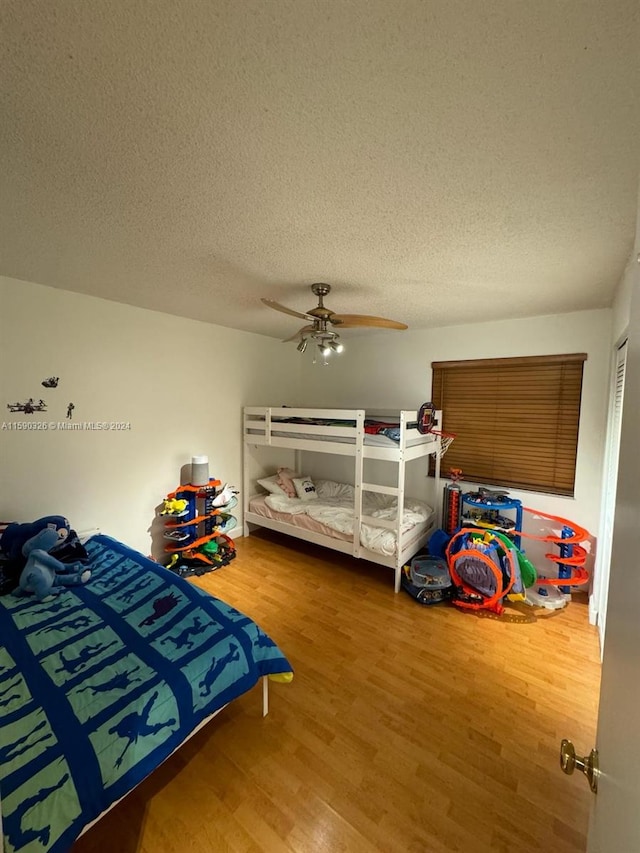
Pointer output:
407, 729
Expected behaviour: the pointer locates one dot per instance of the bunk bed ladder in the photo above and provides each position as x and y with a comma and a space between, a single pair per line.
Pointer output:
436, 480
400, 499
359, 468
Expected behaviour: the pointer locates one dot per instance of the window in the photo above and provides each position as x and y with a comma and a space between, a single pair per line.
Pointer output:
516, 419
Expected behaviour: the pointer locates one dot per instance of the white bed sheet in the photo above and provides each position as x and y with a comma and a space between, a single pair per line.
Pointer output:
334, 508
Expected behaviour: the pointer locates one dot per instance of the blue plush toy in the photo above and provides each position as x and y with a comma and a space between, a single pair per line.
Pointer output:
15, 536
43, 575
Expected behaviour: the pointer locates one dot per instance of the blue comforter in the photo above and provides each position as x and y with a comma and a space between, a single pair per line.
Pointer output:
101, 683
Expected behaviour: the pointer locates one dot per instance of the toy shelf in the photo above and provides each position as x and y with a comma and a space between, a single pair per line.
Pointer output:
487, 512
197, 518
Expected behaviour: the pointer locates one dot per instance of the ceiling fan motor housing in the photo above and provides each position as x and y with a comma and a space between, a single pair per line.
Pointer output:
320, 312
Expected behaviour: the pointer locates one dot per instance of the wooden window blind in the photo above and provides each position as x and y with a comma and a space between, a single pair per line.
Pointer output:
516, 419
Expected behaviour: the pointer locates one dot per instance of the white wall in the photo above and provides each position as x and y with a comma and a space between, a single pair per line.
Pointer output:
622, 299
181, 384
393, 369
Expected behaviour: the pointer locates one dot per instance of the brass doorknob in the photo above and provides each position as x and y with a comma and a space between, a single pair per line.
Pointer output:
588, 765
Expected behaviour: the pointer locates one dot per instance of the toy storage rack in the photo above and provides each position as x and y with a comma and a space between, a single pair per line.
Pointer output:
200, 522
489, 506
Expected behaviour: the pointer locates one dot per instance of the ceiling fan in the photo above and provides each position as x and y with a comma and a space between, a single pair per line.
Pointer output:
321, 319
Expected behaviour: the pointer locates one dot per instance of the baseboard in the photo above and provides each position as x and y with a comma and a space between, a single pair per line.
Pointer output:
593, 611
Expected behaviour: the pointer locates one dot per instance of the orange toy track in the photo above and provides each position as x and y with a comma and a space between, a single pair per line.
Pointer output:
173, 549
212, 484
198, 555
216, 534
471, 599
196, 520
579, 574
489, 603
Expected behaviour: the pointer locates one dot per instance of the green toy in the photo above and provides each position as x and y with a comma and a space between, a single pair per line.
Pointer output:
527, 569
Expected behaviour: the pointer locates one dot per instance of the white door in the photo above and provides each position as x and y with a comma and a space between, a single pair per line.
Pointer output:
615, 814
605, 535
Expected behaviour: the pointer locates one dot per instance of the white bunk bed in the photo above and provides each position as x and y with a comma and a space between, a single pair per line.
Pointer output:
342, 432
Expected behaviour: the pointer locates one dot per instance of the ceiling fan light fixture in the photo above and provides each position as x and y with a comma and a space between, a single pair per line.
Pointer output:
320, 320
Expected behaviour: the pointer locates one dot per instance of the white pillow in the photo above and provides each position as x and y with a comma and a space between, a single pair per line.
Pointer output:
271, 485
305, 489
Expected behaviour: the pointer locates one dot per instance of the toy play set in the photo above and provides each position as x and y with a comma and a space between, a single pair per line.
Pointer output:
481, 546
427, 579
477, 560
197, 520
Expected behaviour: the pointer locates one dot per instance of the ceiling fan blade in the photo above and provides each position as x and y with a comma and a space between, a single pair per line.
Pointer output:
299, 334
271, 304
346, 321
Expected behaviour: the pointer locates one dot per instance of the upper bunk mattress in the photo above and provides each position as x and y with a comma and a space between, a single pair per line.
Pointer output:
341, 431
370, 440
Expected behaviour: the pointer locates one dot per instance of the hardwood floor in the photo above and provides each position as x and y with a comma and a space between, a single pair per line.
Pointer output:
407, 729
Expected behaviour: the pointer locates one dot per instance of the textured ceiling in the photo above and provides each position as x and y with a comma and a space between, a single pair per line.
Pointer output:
437, 162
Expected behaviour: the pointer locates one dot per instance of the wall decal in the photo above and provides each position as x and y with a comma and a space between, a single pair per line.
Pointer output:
51, 382
29, 407
70, 409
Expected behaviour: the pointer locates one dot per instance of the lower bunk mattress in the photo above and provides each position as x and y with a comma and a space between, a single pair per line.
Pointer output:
101, 683
332, 514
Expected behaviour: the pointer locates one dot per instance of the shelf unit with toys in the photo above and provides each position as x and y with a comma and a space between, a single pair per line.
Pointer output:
197, 518
485, 508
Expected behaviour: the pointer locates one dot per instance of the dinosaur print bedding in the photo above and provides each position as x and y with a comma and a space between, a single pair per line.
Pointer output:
99, 684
